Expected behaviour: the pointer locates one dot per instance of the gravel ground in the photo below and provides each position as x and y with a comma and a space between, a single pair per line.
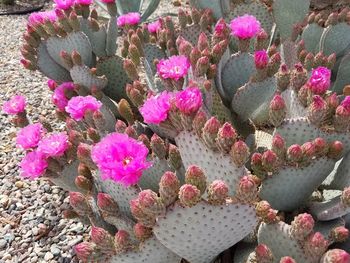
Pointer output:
31, 224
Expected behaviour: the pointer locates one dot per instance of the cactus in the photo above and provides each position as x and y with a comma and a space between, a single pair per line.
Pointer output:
219, 132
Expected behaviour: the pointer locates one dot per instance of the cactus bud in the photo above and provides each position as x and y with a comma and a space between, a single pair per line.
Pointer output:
342, 119
122, 241
83, 170
321, 147
283, 78
317, 110
203, 42
279, 146
158, 146
134, 54
199, 122
83, 183
169, 186
217, 192
195, 176
226, 137
287, 260
345, 197
309, 61
131, 132
130, 69
202, 66
339, 234
335, 256
309, 150
141, 232
195, 15
93, 134
189, 195
120, 126
247, 190
79, 203
302, 226
107, 205
295, 153
269, 161
263, 254
76, 58
331, 60
315, 244
210, 131
144, 139
277, 110
182, 16
195, 56
332, 102
335, 150
174, 159
261, 59
85, 251
299, 77
262, 39
239, 153
150, 203
264, 210
125, 111
103, 240
256, 164
185, 48
84, 155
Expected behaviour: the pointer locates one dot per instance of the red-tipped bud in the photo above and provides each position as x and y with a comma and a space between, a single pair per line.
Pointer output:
141, 232
169, 186
189, 195
217, 192
309, 150
85, 251
158, 146
227, 135
277, 111
302, 226
336, 256
257, 167
83, 183
269, 161
247, 190
263, 254
239, 153
120, 126
287, 260
316, 244
106, 204
321, 146
345, 197
295, 153
339, 234
261, 59
79, 203
210, 131
195, 176
199, 122
122, 241
335, 150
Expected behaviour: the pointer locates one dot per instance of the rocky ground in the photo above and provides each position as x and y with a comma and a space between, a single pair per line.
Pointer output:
31, 225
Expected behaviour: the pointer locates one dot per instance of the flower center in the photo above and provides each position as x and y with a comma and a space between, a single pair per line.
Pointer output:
127, 160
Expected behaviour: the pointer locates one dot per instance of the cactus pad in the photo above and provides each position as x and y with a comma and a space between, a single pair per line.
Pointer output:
343, 78
335, 39
191, 33
311, 35
97, 39
82, 75
192, 233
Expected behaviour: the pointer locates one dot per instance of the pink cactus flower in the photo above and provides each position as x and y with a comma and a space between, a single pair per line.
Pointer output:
79, 105
40, 17
189, 100
156, 108
108, 1
33, 165
29, 136
54, 145
261, 59
154, 27
120, 158
64, 4
220, 28
83, 2
59, 98
346, 103
15, 105
130, 19
175, 67
320, 80
52, 84
245, 27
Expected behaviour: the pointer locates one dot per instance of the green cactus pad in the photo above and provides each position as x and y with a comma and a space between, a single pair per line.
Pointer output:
67, 177
97, 39
328, 210
335, 39
111, 39
153, 52
191, 33
112, 68
215, 165
148, 251
236, 72
289, 53
311, 35
49, 67
300, 130
75, 41
219, 7
82, 75
294, 108
290, 187
287, 13
277, 238
257, 9
121, 194
253, 99
151, 177
219, 110
343, 76
195, 233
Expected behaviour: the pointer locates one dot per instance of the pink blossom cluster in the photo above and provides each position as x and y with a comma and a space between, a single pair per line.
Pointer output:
59, 97
261, 59
320, 80
175, 67
189, 100
79, 105
29, 136
15, 105
83, 2
38, 18
156, 108
33, 165
120, 158
245, 27
154, 27
129, 19
64, 4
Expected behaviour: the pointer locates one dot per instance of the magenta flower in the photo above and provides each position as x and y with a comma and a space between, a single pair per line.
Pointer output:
156, 108
59, 97
154, 27
129, 19
29, 136
40, 17
54, 145
346, 103
15, 105
245, 27
261, 59
320, 80
120, 158
220, 28
33, 165
51, 84
83, 2
108, 1
79, 105
175, 67
189, 100
64, 4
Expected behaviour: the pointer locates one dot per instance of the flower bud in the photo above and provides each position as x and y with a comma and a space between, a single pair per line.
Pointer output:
226, 137
239, 153
150, 203
189, 195
287, 260
302, 226
339, 234
210, 131
195, 176
85, 251
247, 190
299, 77
335, 256
103, 240
269, 161
107, 205
277, 110
120, 126
130, 69
315, 244
345, 197
122, 241
83, 183
199, 122
317, 110
335, 150
263, 254
141, 232
256, 164
295, 153
217, 192
79, 203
